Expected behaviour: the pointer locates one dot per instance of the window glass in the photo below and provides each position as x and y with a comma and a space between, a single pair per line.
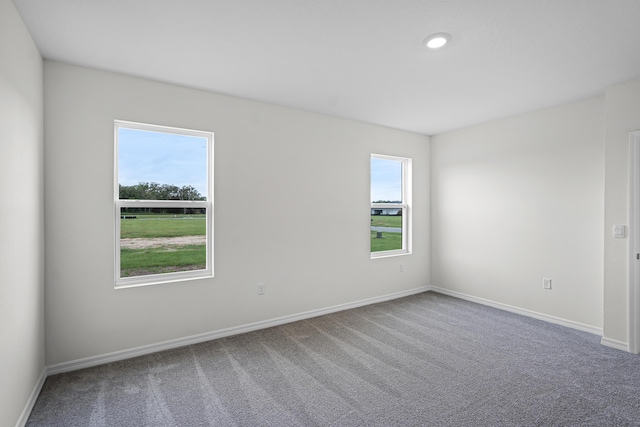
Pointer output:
161, 166
162, 240
164, 209
386, 180
389, 206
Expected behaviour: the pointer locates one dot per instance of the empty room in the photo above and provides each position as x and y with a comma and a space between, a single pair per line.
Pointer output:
319, 213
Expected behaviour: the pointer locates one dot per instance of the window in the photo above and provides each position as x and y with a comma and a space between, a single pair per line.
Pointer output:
163, 204
390, 206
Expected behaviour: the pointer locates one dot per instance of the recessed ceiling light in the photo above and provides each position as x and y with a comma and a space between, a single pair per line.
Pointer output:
437, 40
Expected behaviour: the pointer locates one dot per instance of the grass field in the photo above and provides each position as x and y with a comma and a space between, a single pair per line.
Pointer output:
167, 257
386, 221
389, 242
170, 257
163, 226
142, 262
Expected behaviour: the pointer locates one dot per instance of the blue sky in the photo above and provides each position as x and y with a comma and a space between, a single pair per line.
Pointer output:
145, 156
386, 179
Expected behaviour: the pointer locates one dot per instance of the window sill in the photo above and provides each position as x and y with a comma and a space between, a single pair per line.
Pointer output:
151, 280
388, 254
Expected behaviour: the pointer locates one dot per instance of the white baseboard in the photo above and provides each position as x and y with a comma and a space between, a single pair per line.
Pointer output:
522, 311
620, 345
22, 421
88, 362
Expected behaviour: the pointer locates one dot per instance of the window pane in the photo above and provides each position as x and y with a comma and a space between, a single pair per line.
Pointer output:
161, 166
386, 181
162, 240
389, 205
386, 229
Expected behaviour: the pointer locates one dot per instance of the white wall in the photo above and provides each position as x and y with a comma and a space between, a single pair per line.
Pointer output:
622, 117
291, 209
21, 221
519, 199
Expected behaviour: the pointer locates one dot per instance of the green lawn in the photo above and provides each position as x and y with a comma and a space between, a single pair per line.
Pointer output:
386, 221
168, 258
389, 242
163, 226
141, 262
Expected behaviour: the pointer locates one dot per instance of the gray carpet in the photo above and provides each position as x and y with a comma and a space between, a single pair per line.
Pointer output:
424, 360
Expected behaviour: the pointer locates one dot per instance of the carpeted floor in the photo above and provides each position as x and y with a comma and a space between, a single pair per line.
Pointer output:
424, 360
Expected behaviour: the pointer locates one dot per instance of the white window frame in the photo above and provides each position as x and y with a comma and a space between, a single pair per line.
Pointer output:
405, 206
154, 279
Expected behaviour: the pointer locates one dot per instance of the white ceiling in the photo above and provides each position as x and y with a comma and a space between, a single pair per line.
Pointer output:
357, 59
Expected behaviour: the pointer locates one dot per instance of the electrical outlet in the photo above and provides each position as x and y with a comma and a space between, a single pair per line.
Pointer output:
401, 268
261, 288
546, 283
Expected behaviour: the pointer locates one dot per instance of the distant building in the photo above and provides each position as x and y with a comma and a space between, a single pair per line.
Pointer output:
385, 211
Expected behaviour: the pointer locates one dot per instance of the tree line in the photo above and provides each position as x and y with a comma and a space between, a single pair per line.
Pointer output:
155, 191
